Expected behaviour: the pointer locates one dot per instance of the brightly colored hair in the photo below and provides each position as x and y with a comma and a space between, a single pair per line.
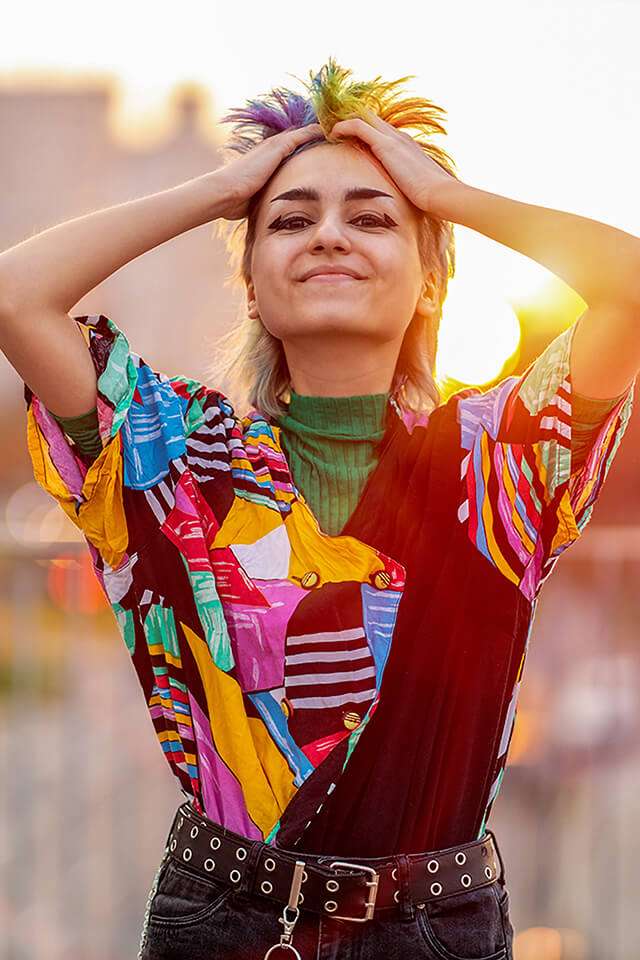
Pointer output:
249, 360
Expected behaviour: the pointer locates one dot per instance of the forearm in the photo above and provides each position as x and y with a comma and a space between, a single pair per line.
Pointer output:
57, 267
600, 262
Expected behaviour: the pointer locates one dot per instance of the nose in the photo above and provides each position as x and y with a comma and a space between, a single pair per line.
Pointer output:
329, 232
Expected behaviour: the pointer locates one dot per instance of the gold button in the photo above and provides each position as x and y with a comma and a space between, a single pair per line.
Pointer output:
310, 579
381, 579
351, 719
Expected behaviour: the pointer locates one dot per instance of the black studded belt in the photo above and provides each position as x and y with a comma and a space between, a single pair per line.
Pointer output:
327, 884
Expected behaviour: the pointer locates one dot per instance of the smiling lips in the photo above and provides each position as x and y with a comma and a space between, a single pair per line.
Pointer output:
331, 271
331, 278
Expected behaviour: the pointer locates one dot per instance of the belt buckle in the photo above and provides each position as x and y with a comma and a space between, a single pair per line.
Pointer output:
370, 905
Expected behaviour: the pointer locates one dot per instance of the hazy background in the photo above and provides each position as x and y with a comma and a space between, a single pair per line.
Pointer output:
104, 103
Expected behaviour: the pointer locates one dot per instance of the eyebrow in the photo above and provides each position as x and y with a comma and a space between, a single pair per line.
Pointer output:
308, 193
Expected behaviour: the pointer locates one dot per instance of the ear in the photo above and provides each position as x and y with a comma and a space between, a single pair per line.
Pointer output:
427, 300
252, 306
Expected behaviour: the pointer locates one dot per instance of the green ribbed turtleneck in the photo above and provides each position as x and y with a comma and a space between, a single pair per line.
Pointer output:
330, 445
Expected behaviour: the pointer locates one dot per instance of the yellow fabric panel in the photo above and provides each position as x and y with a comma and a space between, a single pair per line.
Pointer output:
245, 523
273, 763
44, 471
232, 735
567, 530
335, 559
487, 515
102, 516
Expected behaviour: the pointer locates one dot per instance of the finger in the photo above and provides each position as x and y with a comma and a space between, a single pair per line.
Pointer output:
309, 128
296, 133
355, 127
309, 132
375, 120
385, 127
288, 140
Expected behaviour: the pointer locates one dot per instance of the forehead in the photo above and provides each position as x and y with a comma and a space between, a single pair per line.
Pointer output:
331, 169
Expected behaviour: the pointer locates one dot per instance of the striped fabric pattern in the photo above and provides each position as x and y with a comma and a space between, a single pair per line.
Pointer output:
521, 502
329, 669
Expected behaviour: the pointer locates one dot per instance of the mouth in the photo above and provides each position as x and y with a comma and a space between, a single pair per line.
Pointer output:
331, 271
332, 278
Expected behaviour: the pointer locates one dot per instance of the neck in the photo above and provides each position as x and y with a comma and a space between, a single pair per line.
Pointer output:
361, 370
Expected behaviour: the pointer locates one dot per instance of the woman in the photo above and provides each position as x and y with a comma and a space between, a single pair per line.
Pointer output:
332, 675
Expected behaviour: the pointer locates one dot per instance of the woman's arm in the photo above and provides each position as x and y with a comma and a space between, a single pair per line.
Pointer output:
600, 262
43, 277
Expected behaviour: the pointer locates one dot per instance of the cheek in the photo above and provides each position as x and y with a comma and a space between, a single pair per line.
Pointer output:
273, 265
401, 269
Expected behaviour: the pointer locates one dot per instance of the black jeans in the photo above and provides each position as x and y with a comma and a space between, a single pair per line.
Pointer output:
190, 917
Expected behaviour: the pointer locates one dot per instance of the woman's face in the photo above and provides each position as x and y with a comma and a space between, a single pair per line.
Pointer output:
375, 236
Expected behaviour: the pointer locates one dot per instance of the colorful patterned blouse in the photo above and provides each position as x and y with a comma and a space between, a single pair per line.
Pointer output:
352, 693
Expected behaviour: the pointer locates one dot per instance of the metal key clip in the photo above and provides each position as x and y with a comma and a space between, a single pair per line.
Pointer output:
294, 894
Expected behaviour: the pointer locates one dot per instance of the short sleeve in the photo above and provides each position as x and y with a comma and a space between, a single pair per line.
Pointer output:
145, 418
523, 500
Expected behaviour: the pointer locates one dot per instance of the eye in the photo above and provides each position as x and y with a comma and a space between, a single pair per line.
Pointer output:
280, 224
376, 221
283, 224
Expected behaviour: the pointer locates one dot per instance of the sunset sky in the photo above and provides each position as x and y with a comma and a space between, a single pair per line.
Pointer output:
541, 101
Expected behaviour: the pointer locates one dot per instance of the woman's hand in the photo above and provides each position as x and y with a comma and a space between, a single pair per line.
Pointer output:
413, 171
239, 180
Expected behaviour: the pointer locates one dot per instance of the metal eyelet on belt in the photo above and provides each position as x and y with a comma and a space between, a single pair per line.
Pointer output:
332, 885
396, 896
212, 862
270, 864
394, 873
173, 844
461, 861
434, 868
194, 832
241, 853
465, 880
439, 890
185, 852
237, 876
330, 905
214, 843
488, 873
266, 886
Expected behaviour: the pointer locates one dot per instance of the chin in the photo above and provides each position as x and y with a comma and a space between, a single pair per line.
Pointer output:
334, 323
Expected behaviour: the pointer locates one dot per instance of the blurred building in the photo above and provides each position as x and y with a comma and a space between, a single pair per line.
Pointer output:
61, 159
